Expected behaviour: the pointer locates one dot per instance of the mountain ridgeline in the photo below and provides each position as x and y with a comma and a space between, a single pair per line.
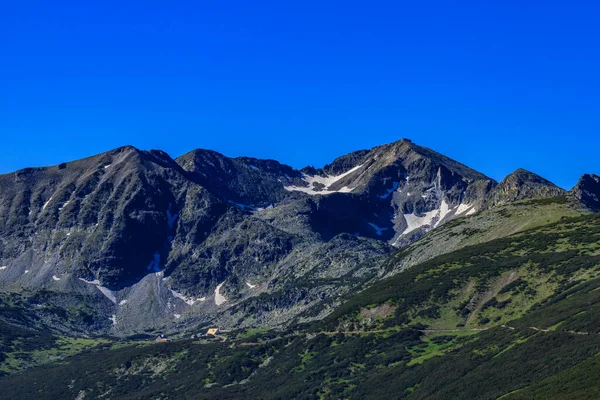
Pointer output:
133, 241
393, 272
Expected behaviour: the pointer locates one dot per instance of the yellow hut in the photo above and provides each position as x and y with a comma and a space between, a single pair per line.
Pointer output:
212, 331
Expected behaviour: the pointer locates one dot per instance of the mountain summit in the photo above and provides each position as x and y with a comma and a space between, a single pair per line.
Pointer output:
587, 191
146, 241
523, 184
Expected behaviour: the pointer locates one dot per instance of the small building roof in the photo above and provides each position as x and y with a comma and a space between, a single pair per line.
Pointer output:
212, 331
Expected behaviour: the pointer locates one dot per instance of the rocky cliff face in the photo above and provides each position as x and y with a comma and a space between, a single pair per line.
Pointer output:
399, 191
521, 185
587, 192
150, 242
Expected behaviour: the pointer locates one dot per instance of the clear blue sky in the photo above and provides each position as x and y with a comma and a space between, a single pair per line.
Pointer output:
496, 85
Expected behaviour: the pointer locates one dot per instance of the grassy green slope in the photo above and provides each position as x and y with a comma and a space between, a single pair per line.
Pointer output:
484, 285
495, 223
517, 317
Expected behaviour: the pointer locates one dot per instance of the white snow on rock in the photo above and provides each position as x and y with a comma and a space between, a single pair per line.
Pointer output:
219, 298
113, 318
46, 203
390, 191
189, 300
122, 302
56, 278
415, 222
251, 286
444, 211
105, 291
94, 282
471, 211
64, 205
463, 208
26, 271
434, 218
177, 316
252, 166
326, 181
107, 166
379, 231
108, 293
3, 267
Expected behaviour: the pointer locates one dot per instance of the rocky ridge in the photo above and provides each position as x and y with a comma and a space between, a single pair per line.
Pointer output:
153, 242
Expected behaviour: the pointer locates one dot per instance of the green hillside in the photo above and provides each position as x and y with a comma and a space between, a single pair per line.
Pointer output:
513, 318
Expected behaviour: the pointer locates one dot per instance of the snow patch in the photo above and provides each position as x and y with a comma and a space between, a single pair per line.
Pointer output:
113, 318
189, 300
105, 291
107, 166
177, 316
56, 278
463, 208
252, 166
325, 181
444, 211
108, 293
26, 271
219, 298
3, 267
471, 211
94, 282
64, 205
46, 203
251, 286
122, 302
414, 222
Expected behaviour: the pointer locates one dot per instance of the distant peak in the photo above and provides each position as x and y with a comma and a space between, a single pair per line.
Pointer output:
587, 191
523, 184
524, 176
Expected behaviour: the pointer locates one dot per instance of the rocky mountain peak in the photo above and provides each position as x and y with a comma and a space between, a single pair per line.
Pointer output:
522, 184
146, 232
587, 191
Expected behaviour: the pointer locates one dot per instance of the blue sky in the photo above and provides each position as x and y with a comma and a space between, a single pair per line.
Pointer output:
496, 85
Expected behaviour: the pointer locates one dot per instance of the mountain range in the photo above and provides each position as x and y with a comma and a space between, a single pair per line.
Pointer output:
161, 243
398, 251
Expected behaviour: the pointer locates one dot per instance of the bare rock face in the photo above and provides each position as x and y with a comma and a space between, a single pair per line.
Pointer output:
587, 192
396, 192
150, 242
521, 185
